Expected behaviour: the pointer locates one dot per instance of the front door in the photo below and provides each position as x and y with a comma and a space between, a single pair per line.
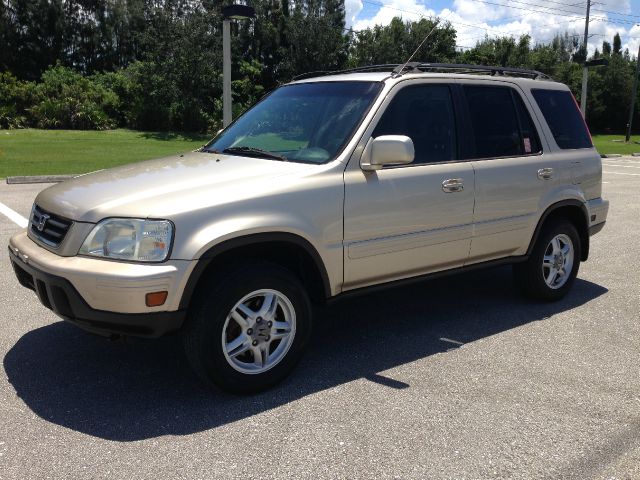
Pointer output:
414, 219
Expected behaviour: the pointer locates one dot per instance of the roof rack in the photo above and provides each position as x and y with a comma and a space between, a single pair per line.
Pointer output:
416, 67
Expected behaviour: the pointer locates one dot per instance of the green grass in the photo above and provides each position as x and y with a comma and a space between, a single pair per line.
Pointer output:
42, 152
605, 144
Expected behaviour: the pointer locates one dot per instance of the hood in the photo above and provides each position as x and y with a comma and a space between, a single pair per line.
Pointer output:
164, 187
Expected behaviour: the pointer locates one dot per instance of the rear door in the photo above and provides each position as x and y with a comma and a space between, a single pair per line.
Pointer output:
514, 175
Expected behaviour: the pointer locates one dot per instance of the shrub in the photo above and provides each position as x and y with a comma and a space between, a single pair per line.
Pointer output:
16, 97
66, 99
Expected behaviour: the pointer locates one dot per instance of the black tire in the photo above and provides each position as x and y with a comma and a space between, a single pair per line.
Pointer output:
529, 276
214, 300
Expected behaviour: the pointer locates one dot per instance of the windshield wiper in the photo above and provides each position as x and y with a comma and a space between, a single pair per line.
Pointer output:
257, 152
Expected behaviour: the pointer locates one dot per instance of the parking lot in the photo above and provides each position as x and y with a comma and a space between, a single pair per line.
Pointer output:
455, 378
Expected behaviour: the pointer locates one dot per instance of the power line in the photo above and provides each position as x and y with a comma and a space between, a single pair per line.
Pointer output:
422, 15
575, 15
491, 29
574, 18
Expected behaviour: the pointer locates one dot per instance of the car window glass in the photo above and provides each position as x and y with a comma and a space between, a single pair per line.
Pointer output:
530, 139
563, 117
494, 121
304, 122
425, 114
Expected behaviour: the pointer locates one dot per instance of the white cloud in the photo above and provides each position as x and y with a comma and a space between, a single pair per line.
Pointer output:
473, 20
352, 10
634, 41
406, 9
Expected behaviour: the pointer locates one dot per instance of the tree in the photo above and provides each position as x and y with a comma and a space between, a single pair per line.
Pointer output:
617, 44
396, 42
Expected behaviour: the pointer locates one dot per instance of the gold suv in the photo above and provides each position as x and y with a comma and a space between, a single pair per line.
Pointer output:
328, 185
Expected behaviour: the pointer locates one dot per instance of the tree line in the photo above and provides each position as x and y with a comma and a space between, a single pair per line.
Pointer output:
157, 64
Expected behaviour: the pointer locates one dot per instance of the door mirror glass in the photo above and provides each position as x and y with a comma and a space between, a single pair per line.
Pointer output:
387, 150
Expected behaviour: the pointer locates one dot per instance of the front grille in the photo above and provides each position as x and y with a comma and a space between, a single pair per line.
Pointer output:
47, 227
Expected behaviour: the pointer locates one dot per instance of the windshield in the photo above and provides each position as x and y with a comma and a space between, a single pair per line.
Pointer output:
307, 122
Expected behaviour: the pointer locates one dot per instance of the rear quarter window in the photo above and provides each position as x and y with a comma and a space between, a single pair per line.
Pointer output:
563, 117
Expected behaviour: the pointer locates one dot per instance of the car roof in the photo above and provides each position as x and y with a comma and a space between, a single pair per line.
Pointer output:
392, 74
387, 78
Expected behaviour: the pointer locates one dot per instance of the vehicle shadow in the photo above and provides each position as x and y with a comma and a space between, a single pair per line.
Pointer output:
144, 389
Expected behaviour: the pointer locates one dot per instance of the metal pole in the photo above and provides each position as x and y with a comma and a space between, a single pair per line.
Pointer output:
633, 97
226, 72
585, 69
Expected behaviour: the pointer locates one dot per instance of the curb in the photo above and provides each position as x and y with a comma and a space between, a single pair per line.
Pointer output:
39, 179
635, 154
611, 155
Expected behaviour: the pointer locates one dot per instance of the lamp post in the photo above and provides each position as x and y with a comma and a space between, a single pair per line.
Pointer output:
230, 12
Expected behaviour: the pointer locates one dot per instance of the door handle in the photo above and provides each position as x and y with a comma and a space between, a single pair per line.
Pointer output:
545, 173
452, 185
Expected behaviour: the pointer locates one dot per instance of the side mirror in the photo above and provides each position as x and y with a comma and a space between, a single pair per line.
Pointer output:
387, 150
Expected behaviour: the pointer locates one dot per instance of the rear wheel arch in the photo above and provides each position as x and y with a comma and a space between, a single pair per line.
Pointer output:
573, 210
286, 249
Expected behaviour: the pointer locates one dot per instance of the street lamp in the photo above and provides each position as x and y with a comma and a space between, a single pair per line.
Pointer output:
230, 12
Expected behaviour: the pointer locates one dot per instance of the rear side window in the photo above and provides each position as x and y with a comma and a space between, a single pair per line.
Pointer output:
425, 114
563, 117
501, 123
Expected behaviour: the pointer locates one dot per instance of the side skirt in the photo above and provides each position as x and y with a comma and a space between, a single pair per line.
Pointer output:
429, 276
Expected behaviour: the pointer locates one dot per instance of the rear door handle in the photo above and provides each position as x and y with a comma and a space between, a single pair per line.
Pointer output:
452, 185
545, 173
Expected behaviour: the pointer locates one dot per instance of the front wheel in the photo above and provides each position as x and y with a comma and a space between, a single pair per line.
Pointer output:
247, 329
551, 269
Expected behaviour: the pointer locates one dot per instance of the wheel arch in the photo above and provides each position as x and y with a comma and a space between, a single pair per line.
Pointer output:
286, 249
573, 210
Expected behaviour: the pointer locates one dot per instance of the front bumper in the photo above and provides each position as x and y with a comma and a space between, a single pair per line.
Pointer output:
101, 296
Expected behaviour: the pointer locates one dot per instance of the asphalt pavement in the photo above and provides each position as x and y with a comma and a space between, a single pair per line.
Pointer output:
457, 378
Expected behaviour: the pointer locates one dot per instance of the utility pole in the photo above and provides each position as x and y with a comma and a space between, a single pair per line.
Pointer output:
633, 96
585, 69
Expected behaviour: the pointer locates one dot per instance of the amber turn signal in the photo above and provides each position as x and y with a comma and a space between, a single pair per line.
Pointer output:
155, 299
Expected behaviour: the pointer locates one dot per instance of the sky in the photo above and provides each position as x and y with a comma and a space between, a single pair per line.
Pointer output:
541, 19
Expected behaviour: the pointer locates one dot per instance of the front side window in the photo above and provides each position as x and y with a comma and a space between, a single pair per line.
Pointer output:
501, 124
425, 114
306, 123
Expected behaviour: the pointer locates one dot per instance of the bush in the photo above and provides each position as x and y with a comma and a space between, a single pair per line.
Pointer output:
66, 99
16, 97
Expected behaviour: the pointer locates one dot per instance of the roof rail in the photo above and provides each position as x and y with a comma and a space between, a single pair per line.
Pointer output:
415, 67
386, 67
468, 68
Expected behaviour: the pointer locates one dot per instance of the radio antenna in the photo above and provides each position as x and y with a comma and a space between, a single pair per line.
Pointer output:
399, 70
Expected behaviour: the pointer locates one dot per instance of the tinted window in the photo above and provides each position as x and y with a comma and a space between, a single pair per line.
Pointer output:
563, 117
528, 133
495, 122
423, 113
306, 122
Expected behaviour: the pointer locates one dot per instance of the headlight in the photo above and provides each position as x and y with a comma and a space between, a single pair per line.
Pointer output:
130, 239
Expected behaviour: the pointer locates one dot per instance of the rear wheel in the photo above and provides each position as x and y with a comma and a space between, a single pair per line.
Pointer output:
247, 329
552, 267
